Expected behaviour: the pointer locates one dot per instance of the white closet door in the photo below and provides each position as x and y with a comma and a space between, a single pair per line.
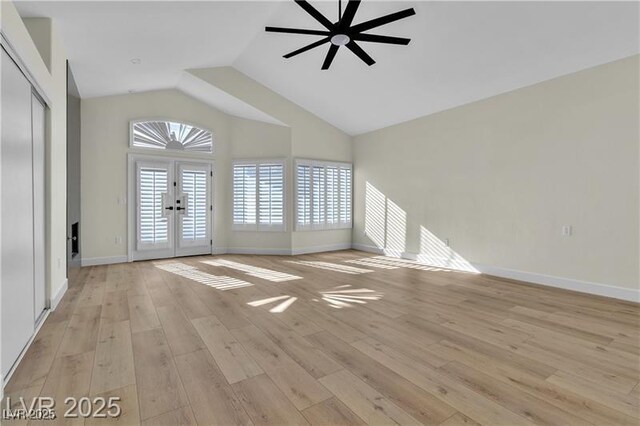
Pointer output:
193, 208
17, 213
155, 210
38, 136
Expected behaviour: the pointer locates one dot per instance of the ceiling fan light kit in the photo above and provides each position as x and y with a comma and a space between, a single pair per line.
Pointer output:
343, 33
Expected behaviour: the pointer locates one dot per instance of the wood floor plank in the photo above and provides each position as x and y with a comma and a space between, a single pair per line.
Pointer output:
331, 412
115, 307
420, 404
180, 333
230, 355
297, 347
293, 380
35, 365
536, 410
447, 389
211, 398
142, 313
82, 331
266, 404
459, 419
159, 387
365, 401
181, 416
127, 400
113, 365
70, 377
587, 409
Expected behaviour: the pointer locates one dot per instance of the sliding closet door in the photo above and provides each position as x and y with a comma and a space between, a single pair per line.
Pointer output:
17, 214
38, 135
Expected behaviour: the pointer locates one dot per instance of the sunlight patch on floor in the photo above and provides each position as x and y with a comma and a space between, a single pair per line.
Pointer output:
331, 267
192, 273
341, 297
394, 263
285, 302
254, 271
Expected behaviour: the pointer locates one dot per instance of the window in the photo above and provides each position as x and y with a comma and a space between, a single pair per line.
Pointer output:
159, 134
258, 195
323, 195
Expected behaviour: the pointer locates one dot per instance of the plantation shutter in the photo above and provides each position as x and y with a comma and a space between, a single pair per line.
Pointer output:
323, 191
153, 226
244, 194
258, 196
345, 196
319, 195
303, 192
271, 196
194, 221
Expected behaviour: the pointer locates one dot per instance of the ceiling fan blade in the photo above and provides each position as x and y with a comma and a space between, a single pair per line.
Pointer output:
295, 31
374, 38
383, 20
307, 47
360, 53
349, 13
314, 12
330, 55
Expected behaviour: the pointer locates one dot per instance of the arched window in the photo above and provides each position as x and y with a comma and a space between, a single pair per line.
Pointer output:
171, 135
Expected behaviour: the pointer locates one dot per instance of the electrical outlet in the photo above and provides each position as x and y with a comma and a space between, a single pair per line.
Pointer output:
446, 242
118, 240
567, 230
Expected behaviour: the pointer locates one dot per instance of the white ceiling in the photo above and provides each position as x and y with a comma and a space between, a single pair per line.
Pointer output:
460, 51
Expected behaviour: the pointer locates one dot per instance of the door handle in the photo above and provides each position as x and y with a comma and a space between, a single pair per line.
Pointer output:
180, 208
170, 208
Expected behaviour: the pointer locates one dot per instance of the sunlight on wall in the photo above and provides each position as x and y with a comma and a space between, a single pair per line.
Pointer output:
342, 297
435, 252
254, 271
280, 307
192, 273
331, 267
385, 223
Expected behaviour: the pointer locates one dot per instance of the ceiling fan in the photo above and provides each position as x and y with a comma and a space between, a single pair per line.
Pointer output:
343, 33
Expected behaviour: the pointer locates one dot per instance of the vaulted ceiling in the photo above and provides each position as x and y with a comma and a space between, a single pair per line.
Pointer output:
460, 51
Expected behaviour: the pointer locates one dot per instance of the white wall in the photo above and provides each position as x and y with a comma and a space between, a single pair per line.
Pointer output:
500, 177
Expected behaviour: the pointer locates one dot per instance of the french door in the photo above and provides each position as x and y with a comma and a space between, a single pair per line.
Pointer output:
173, 209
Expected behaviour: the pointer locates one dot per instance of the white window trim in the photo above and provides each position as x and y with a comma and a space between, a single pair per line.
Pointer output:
170, 152
324, 226
257, 227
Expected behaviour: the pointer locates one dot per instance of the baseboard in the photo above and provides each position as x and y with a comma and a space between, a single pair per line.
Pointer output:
219, 250
92, 261
321, 249
598, 289
261, 251
58, 296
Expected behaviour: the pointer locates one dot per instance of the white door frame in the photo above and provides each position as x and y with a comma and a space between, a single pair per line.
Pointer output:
132, 158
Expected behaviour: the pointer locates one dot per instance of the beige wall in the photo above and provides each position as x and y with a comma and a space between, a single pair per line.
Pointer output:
500, 177
51, 81
105, 145
311, 137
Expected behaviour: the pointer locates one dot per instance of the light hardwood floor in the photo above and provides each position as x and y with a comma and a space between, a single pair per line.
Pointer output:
333, 339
